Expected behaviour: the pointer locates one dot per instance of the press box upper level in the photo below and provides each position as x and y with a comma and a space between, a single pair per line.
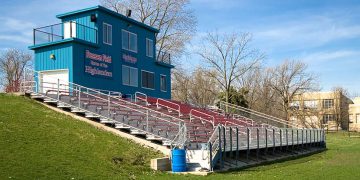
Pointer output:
102, 49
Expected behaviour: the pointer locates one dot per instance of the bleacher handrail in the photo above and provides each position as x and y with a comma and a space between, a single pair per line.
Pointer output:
201, 118
78, 88
263, 115
163, 100
138, 98
234, 118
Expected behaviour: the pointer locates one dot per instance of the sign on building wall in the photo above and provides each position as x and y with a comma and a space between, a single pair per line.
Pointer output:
98, 65
129, 59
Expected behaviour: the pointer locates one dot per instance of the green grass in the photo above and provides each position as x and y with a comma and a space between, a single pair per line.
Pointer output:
38, 143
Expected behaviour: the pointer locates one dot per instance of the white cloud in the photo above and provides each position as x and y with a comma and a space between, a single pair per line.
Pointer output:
326, 56
308, 32
15, 30
218, 4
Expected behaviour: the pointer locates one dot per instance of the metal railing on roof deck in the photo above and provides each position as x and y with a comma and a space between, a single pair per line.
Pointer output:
64, 30
164, 57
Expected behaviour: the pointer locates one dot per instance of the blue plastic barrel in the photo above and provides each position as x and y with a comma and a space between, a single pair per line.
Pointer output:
178, 162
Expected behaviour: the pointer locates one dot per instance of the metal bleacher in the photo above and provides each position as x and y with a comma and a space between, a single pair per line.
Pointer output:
219, 136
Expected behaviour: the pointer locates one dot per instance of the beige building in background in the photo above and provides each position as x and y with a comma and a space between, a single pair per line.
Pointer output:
329, 110
354, 115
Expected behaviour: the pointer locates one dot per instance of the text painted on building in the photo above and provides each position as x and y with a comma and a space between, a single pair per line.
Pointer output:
99, 65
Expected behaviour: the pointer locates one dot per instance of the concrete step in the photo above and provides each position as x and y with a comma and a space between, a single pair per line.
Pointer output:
121, 126
49, 100
106, 121
137, 132
37, 96
153, 138
77, 110
62, 105
91, 115
166, 143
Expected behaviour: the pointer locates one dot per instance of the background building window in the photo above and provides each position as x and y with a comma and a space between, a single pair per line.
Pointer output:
107, 34
147, 79
129, 41
130, 76
149, 48
328, 117
310, 104
351, 120
162, 82
328, 103
295, 105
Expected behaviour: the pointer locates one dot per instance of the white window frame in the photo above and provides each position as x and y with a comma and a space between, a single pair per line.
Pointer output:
142, 79
130, 77
295, 104
128, 48
328, 118
109, 25
147, 47
310, 104
351, 118
163, 75
326, 103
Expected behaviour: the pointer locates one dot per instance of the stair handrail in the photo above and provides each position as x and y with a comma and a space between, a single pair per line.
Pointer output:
102, 116
143, 94
234, 124
236, 116
109, 92
214, 141
236, 119
201, 118
134, 104
181, 137
127, 102
122, 100
120, 105
263, 115
160, 99
151, 110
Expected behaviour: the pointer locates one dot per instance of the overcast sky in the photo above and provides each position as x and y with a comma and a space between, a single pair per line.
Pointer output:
324, 34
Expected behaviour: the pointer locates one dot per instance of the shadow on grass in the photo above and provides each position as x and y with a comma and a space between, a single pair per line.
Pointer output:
300, 159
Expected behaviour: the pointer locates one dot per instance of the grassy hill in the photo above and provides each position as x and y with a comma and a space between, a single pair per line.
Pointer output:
38, 143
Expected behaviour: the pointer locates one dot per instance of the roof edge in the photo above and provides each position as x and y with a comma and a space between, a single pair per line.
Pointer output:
113, 13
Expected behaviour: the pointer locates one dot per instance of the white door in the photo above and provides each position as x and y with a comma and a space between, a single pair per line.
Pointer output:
69, 30
49, 81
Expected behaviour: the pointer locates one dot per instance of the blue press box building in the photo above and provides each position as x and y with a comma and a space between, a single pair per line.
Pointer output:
101, 49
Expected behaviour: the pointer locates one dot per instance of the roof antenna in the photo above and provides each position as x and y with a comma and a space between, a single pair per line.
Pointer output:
128, 12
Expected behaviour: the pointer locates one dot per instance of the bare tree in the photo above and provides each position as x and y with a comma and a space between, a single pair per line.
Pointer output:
203, 89
180, 87
195, 88
12, 64
341, 106
229, 57
173, 18
289, 79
